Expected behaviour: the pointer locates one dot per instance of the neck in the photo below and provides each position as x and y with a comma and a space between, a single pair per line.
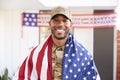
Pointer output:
58, 43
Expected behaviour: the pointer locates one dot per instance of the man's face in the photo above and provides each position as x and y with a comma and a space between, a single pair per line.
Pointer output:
60, 27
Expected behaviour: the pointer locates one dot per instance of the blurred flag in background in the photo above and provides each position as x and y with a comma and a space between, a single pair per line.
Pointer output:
29, 19
79, 20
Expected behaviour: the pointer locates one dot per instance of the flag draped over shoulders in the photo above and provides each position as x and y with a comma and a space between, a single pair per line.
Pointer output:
77, 64
38, 65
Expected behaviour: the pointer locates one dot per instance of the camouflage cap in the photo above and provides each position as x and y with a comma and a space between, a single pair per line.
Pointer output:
61, 10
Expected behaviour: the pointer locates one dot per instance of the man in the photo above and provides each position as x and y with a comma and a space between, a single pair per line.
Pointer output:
60, 56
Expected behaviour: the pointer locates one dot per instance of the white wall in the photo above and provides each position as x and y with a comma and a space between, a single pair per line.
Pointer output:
13, 46
9, 38
1, 40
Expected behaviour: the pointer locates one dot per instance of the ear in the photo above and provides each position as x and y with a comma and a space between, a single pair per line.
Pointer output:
49, 22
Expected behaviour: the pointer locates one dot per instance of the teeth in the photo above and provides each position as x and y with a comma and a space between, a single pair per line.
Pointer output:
60, 30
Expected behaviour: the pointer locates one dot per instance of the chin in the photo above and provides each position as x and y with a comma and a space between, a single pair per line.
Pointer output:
60, 38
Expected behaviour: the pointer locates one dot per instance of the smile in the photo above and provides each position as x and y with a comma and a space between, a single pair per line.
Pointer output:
60, 31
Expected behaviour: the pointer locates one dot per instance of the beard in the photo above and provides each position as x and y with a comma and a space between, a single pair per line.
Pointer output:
60, 33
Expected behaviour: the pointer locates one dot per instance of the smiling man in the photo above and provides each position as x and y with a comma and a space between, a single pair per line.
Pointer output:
60, 56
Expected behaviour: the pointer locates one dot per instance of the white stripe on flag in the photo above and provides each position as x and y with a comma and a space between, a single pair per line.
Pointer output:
44, 65
34, 59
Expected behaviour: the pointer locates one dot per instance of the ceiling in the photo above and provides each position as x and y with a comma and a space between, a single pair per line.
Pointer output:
35, 4
21, 4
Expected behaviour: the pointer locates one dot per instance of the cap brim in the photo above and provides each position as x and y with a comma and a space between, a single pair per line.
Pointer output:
58, 15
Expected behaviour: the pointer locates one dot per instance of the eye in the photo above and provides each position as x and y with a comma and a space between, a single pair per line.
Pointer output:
65, 20
55, 20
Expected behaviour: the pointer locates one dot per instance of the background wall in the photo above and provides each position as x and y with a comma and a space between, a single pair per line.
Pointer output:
14, 44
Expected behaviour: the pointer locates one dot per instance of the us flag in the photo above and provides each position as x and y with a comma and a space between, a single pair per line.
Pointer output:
41, 18
78, 64
30, 19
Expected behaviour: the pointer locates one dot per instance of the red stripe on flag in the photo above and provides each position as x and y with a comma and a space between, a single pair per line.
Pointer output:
49, 71
21, 74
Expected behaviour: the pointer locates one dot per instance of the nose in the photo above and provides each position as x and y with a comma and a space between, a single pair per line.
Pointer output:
60, 23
